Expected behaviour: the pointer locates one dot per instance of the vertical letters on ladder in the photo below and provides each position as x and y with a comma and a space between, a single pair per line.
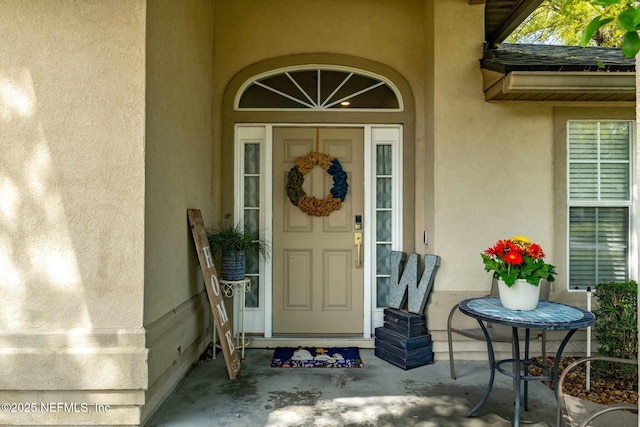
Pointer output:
222, 324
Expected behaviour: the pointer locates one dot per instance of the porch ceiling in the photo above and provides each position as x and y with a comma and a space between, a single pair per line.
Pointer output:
501, 17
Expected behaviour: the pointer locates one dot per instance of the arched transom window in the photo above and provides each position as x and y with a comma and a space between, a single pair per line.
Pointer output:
318, 88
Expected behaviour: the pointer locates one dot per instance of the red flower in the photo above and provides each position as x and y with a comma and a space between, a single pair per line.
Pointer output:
512, 247
535, 251
517, 258
500, 249
513, 258
492, 251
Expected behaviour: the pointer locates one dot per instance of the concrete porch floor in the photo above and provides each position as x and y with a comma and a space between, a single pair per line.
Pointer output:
380, 394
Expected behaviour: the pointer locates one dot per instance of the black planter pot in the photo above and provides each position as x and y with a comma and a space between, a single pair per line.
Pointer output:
233, 266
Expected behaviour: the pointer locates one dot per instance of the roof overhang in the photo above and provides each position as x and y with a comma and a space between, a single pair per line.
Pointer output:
559, 86
513, 72
501, 17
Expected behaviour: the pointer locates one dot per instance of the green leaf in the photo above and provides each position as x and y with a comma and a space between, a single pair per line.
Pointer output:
630, 44
591, 29
606, 2
629, 19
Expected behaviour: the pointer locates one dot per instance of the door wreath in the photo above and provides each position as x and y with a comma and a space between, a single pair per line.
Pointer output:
311, 205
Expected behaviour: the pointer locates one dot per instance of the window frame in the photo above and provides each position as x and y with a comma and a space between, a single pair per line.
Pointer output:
630, 203
313, 102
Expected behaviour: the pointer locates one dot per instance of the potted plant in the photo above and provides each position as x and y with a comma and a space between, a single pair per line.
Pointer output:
519, 266
234, 244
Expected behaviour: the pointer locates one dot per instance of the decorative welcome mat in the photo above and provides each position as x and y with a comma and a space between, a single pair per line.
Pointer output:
316, 357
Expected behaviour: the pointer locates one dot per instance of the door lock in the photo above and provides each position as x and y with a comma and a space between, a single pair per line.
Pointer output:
358, 222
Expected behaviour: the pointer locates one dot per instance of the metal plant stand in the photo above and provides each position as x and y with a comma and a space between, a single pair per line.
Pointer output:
229, 289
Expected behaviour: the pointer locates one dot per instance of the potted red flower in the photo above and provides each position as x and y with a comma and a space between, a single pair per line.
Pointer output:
519, 264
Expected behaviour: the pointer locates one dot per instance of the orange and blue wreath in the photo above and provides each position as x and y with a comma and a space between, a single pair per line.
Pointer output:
311, 205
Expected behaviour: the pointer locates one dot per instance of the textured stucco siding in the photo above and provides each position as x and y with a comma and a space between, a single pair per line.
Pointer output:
483, 171
178, 169
113, 124
72, 116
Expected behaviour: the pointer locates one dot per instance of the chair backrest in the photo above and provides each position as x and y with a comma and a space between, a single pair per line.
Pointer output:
494, 287
545, 290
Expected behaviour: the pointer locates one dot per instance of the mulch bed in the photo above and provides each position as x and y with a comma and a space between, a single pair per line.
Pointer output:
603, 390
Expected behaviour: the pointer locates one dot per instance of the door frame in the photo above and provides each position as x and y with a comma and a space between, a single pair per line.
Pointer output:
259, 320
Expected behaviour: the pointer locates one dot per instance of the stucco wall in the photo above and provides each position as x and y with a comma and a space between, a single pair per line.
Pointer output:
110, 128
462, 143
72, 207
387, 32
497, 172
493, 162
483, 171
178, 176
465, 143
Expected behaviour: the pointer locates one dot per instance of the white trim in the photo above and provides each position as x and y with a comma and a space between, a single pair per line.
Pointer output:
238, 212
369, 236
320, 105
334, 91
387, 135
260, 319
284, 95
633, 210
267, 280
253, 135
353, 95
632, 257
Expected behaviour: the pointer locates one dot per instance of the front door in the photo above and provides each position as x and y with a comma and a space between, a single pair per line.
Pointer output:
317, 287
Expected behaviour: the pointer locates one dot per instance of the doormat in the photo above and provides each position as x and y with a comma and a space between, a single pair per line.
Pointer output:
316, 357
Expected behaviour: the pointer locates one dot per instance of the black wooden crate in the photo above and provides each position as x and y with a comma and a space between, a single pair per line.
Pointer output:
416, 357
406, 324
401, 316
406, 353
396, 340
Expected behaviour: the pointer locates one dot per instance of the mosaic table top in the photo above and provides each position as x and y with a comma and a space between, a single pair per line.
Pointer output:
548, 314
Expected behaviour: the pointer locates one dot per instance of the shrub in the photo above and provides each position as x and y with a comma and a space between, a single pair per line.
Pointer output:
616, 327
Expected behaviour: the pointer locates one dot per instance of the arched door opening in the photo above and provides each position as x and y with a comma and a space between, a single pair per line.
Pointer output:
318, 283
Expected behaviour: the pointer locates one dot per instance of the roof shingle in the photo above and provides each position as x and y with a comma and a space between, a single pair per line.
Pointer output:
532, 57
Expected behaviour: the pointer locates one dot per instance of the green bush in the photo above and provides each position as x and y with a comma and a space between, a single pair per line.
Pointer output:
616, 327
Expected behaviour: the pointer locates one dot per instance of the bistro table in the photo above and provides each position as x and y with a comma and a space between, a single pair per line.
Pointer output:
548, 315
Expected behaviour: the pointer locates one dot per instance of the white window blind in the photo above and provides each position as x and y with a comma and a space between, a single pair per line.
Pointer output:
600, 202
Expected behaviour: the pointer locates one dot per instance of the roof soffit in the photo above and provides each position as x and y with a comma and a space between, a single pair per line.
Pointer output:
547, 73
501, 17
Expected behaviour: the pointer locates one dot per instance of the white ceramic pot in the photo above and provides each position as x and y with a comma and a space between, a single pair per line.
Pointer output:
521, 296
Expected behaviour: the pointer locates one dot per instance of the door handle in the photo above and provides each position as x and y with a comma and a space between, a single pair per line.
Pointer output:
357, 240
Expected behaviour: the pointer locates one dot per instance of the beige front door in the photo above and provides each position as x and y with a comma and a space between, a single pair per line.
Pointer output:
317, 288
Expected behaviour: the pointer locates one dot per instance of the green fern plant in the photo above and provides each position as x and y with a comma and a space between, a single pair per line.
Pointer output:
229, 237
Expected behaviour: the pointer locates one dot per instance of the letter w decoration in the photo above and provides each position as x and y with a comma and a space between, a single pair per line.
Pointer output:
404, 281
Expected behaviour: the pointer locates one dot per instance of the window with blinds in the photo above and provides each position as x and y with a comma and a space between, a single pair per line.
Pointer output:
600, 202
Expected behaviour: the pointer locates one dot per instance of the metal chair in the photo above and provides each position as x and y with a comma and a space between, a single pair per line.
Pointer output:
496, 335
573, 411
